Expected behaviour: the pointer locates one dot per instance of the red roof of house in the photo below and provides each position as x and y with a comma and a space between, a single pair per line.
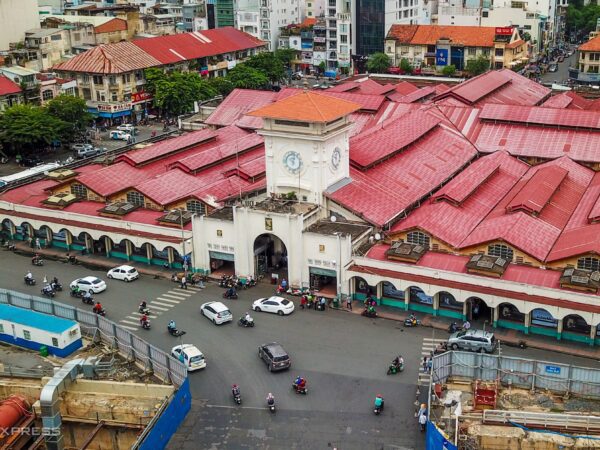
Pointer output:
414, 96
558, 101
112, 179
109, 59
541, 116
430, 34
238, 103
173, 48
111, 26
8, 87
593, 45
405, 88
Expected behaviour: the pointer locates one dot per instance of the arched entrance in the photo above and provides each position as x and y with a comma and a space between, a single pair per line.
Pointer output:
361, 289
479, 312
542, 322
448, 306
270, 258
509, 316
419, 300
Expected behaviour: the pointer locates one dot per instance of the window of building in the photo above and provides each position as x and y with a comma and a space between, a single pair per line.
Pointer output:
592, 69
47, 94
54, 342
499, 52
26, 335
501, 250
98, 79
588, 263
196, 207
85, 78
292, 123
127, 78
485, 52
471, 51
416, 237
485, 13
79, 190
135, 198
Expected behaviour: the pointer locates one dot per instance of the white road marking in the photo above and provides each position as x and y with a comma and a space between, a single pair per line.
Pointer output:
238, 407
180, 291
175, 296
129, 328
432, 339
162, 299
129, 322
150, 316
159, 308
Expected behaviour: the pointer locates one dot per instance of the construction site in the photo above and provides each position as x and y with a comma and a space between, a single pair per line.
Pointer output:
480, 401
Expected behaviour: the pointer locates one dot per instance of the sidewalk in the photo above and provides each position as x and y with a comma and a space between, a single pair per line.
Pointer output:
506, 337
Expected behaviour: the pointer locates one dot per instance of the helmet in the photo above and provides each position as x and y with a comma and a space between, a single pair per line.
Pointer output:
270, 395
234, 386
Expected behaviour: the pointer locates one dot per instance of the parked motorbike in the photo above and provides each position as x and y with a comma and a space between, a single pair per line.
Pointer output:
29, 281
37, 261
229, 295
299, 390
411, 322
246, 323
175, 332
9, 246
48, 292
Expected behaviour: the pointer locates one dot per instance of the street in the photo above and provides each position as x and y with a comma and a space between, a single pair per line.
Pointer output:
343, 356
562, 74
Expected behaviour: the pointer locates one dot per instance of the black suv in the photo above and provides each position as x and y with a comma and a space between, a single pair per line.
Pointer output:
275, 356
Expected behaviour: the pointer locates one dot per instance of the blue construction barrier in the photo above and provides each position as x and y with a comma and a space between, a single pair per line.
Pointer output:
435, 440
170, 419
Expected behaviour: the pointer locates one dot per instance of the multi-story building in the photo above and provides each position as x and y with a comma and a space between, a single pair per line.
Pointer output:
26, 79
194, 15
16, 17
587, 70
439, 46
129, 13
111, 77
225, 13
10, 93
52, 86
266, 17
340, 33
105, 29
157, 24
312, 8
43, 48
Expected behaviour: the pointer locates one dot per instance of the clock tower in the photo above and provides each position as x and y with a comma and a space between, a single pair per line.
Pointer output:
306, 144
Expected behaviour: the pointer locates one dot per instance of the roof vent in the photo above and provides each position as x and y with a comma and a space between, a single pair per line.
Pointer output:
487, 265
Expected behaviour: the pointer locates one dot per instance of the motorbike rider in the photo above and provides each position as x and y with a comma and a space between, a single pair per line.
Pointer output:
54, 283
246, 319
143, 306
97, 307
87, 296
412, 319
230, 292
270, 399
371, 309
379, 401
144, 320
453, 327
29, 276
171, 326
398, 361
235, 390
35, 258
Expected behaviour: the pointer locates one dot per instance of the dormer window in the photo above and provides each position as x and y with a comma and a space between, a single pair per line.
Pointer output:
135, 198
417, 237
501, 251
589, 263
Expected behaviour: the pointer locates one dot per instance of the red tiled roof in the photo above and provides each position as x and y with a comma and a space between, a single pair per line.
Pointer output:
414, 96
238, 103
110, 59
111, 26
173, 48
307, 107
515, 44
402, 33
8, 87
379, 143
593, 45
542, 116
112, 179
431, 34
166, 147
344, 87
486, 84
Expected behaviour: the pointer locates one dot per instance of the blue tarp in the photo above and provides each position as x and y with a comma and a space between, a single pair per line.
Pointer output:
435, 440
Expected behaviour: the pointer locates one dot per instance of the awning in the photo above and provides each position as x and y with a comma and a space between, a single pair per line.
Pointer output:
222, 256
324, 272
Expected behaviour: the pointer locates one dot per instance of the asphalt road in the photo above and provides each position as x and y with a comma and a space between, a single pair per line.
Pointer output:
343, 356
562, 74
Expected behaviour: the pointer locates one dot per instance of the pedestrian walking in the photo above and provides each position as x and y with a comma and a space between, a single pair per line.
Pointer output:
422, 410
303, 301
429, 364
424, 363
38, 244
423, 422
349, 302
183, 282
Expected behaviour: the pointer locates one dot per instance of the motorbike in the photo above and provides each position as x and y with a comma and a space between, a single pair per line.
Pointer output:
271, 405
378, 409
368, 313
76, 294
408, 322
299, 390
231, 296
29, 281
246, 323
394, 369
8, 246
56, 287
48, 292
144, 310
87, 300
145, 325
175, 332
101, 312
37, 261
453, 328
237, 398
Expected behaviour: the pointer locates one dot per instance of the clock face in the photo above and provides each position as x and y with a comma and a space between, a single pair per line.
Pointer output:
336, 157
292, 162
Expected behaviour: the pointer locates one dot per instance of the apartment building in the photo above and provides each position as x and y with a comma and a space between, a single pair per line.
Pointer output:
264, 18
104, 29
12, 24
588, 63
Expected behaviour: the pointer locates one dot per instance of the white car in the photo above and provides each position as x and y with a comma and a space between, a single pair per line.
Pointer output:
120, 135
93, 285
217, 312
189, 355
126, 273
278, 305
128, 128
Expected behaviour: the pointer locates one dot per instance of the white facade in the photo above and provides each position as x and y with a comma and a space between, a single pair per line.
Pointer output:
17, 16
312, 8
407, 12
457, 15
264, 18
529, 22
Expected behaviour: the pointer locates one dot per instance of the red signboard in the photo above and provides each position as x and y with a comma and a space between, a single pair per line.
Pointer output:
140, 97
504, 31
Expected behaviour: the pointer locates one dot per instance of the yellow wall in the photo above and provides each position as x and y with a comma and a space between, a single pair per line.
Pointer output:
441, 246
122, 197
66, 189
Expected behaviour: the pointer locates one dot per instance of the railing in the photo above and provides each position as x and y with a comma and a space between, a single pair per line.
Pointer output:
152, 359
21, 372
543, 420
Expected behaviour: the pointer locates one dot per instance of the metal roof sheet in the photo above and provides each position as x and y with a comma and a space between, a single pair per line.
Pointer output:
112, 179
558, 101
238, 103
542, 116
169, 186
8, 87
538, 190
34, 319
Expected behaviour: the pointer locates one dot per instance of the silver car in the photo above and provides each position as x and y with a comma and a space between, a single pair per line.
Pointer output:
473, 340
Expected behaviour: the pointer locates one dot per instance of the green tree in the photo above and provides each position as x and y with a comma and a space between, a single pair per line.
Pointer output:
477, 66
449, 70
378, 63
526, 37
582, 18
71, 110
176, 92
26, 127
246, 77
152, 76
405, 66
222, 85
267, 63
286, 56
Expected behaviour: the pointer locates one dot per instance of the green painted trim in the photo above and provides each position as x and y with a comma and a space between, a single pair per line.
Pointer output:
576, 337
450, 313
59, 244
119, 255
359, 296
140, 259
543, 331
511, 325
420, 308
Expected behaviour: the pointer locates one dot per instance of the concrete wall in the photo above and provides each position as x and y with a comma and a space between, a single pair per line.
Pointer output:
17, 16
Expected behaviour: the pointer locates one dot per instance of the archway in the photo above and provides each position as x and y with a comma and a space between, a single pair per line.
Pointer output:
103, 245
479, 311
270, 258
361, 289
448, 306
542, 322
574, 323
391, 296
419, 300
509, 316
122, 249
45, 236
25, 233
8, 229
83, 242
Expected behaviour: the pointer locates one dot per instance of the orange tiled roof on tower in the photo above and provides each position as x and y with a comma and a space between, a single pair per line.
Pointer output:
307, 107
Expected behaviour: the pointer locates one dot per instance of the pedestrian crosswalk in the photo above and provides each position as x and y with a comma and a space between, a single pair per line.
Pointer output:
426, 350
159, 305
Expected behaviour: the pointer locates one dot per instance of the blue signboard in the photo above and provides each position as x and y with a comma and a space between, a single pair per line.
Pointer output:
441, 57
553, 369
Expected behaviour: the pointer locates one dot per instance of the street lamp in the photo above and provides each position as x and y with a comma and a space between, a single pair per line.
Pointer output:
181, 213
